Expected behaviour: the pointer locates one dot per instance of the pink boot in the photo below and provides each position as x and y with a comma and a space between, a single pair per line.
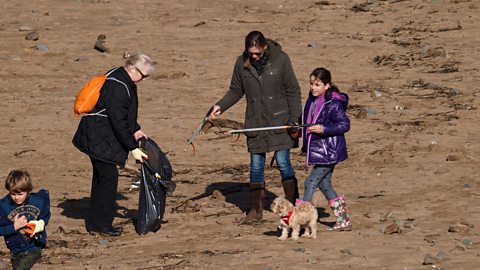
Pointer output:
298, 202
340, 209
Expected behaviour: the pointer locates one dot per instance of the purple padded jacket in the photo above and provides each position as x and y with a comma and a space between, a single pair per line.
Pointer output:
329, 147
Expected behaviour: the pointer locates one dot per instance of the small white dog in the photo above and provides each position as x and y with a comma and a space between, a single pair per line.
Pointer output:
295, 217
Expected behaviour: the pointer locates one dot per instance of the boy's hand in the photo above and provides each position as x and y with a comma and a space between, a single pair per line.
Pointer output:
19, 222
35, 226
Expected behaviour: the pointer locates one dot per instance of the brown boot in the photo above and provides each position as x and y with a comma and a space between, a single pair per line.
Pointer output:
257, 194
290, 187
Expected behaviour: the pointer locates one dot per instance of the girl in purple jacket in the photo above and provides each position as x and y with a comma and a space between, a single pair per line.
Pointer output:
324, 142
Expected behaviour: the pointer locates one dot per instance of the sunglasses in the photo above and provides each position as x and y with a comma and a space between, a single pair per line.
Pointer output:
143, 75
258, 54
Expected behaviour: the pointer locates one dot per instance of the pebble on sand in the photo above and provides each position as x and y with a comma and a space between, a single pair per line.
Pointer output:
391, 228
429, 259
32, 36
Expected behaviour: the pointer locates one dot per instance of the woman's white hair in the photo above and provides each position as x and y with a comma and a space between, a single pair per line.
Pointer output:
140, 60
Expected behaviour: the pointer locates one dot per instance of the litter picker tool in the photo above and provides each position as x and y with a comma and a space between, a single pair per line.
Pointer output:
196, 132
237, 131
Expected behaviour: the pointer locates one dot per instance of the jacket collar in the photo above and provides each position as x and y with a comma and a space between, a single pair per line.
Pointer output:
122, 75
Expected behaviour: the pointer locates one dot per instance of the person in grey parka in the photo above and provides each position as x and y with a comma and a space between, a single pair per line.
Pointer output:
264, 74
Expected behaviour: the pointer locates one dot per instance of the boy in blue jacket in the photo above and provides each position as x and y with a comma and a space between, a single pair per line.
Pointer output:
23, 217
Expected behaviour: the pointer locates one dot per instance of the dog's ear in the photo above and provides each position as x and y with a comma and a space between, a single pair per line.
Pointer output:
274, 206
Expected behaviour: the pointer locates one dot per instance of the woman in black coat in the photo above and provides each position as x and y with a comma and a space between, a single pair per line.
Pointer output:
108, 133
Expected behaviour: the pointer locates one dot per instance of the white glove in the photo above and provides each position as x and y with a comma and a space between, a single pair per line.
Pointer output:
39, 225
139, 155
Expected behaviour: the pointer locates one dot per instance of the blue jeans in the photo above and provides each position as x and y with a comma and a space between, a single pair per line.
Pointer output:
320, 177
257, 166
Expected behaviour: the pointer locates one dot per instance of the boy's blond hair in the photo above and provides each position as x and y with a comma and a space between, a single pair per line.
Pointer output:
18, 181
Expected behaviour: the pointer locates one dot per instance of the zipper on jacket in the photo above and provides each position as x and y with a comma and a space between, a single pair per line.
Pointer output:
310, 135
277, 113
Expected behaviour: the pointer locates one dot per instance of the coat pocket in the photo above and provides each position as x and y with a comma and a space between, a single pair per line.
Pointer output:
280, 118
251, 123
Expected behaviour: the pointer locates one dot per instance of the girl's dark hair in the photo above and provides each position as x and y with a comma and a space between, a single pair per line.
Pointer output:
255, 38
324, 75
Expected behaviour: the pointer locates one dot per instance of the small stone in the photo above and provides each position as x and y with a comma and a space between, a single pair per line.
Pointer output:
467, 186
41, 47
25, 28
103, 242
459, 228
322, 2
392, 228
371, 111
312, 261
430, 238
387, 216
346, 252
443, 256
208, 253
408, 223
430, 259
32, 36
452, 157
313, 45
301, 250
467, 242
12, 120
81, 59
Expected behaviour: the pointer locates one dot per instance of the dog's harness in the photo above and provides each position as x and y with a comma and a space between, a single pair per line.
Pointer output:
286, 218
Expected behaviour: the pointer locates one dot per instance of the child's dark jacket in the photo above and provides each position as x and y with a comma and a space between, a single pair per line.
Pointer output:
36, 207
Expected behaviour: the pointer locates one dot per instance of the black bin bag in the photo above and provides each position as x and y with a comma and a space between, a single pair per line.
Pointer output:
155, 184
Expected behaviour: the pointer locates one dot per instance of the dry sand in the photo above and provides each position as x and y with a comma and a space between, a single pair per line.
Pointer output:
411, 70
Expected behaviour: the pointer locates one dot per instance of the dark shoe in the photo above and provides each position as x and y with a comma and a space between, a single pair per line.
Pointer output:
106, 231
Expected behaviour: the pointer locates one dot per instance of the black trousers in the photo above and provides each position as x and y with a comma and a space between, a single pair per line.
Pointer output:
103, 195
